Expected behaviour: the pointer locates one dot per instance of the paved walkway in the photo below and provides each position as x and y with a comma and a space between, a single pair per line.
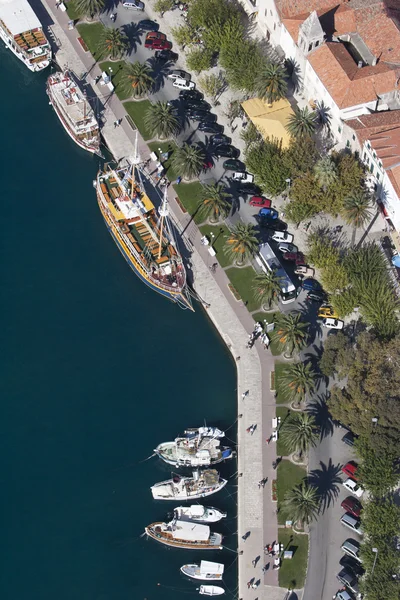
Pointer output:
256, 511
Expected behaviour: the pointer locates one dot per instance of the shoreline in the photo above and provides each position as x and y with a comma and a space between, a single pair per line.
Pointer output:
256, 513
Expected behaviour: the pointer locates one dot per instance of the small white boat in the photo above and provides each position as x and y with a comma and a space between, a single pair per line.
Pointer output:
202, 484
205, 431
199, 514
196, 451
207, 570
211, 590
181, 534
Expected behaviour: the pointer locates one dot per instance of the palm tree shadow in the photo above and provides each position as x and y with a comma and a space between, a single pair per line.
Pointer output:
132, 32
326, 480
159, 71
319, 410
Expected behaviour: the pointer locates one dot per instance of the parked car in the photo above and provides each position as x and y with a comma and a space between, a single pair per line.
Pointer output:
208, 127
296, 257
197, 103
182, 84
226, 150
155, 35
247, 189
219, 138
134, 5
190, 95
316, 296
342, 595
332, 323
350, 469
352, 505
348, 579
310, 284
304, 272
327, 312
286, 247
244, 177
166, 55
352, 522
260, 202
349, 438
147, 25
179, 74
352, 486
208, 164
269, 213
282, 236
157, 44
200, 115
352, 548
273, 224
352, 565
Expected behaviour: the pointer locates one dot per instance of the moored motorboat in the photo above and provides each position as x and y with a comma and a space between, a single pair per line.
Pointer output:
200, 485
211, 590
199, 514
181, 534
204, 432
206, 570
196, 451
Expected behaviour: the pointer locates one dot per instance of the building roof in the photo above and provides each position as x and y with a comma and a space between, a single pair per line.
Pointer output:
270, 119
346, 83
394, 176
382, 130
18, 16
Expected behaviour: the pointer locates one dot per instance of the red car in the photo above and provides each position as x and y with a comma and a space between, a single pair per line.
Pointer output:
352, 505
158, 44
260, 202
156, 35
208, 165
296, 257
350, 469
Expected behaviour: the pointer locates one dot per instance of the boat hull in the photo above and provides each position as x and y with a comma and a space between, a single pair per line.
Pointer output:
179, 297
183, 544
211, 590
186, 497
34, 67
193, 463
193, 571
213, 515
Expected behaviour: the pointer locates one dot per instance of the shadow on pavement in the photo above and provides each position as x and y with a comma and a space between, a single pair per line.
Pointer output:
326, 480
319, 410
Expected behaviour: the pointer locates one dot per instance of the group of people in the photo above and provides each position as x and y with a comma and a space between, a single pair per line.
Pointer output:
254, 335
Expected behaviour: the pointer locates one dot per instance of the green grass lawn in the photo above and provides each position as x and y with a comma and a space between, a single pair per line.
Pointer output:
281, 395
72, 12
220, 232
91, 32
116, 76
288, 475
284, 413
170, 147
137, 110
268, 317
292, 573
190, 196
242, 280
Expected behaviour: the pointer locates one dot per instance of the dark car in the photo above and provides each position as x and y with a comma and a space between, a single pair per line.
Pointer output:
349, 580
197, 103
209, 127
296, 257
311, 284
166, 55
316, 296
349, 438
248, 189
215, 140
200, 115
226, 150
352, 505
352, 565
190, 95
268, 212
158, 44
272, 224
147, 25
232, 164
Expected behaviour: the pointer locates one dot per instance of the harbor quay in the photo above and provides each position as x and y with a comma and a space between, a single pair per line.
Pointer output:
257, 518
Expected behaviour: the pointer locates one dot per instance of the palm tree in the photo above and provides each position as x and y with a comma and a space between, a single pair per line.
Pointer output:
322, 113
267, 287
188, 160
299, 433
272, 82
302, 123
112, 43
302, 503
241, 243
214, 203
325, 172
89, 8
290, 332
136, 79
357, 210
298, 380
160, 121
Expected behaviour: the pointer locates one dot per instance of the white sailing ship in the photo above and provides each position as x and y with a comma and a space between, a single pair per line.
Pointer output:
199, 514
74, 111
194, 451
206, 571
200, 485
21, 31
211, 590
181, 534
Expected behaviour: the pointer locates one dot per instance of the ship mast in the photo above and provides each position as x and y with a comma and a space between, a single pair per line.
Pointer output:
135, 162
164, 211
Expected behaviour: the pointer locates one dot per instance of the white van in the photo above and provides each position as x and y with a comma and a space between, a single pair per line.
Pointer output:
134, 4
352, 523
182, 84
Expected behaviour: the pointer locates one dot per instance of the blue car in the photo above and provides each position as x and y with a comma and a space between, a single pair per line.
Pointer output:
311, 285
268, 213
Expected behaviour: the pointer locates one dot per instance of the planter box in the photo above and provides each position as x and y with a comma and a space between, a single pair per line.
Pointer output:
82, 43
234, 292
272, 381
274, 493
179, 203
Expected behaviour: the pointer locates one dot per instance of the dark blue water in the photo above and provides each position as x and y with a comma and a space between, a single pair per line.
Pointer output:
95, 371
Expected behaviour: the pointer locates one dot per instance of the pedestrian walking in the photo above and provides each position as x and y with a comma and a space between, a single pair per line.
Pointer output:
179, 179
245, 394
115, 124
237, 358
254, 562
248, 585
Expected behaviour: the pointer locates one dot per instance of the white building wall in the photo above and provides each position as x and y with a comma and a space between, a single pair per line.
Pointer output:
269, 21
391, 201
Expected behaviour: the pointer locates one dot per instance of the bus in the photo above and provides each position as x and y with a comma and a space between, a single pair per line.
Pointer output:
268, 261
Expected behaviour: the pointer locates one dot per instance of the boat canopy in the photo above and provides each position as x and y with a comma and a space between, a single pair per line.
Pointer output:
183, 530
211, 567
18, 16
196, 510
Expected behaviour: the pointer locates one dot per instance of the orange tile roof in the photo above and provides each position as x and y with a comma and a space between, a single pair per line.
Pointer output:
379, 32
293, 25
345, 20
292, 8
394, 176
346, 83
382, 130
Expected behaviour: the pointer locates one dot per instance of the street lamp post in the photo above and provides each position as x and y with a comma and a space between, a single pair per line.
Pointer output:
288, 181
375, 550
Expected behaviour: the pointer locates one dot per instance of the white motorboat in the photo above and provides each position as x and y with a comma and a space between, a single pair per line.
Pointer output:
193, 452
181, 534
206, 570
211, 590
205, 431
199, 514
202, 484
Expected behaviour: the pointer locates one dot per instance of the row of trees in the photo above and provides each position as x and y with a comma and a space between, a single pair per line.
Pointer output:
356, 278
366, 398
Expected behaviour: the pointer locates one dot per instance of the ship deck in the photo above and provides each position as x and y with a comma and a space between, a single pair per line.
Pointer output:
31, 39
72, 102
